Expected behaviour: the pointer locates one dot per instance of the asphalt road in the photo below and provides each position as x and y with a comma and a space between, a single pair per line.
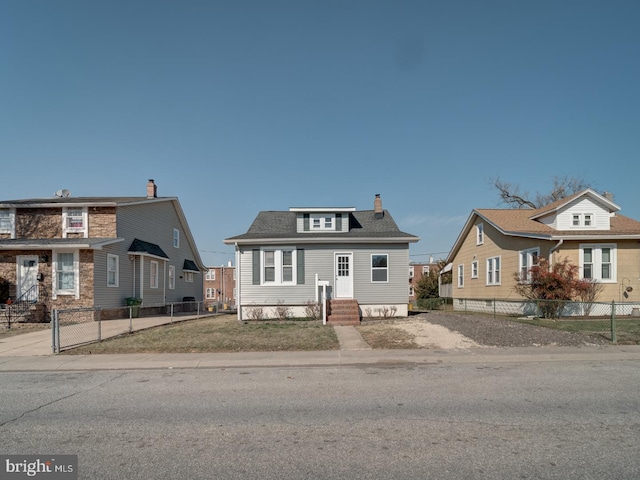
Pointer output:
552, 420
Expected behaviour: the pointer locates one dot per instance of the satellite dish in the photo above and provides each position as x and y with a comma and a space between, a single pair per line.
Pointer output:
63, 193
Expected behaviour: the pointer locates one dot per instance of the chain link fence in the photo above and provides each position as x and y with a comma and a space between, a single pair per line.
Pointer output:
78, 326
618, 322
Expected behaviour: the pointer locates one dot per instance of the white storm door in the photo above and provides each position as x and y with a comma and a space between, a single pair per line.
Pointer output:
344, 275
27, 275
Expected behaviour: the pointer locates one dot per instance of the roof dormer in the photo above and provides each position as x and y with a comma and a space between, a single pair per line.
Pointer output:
322, 220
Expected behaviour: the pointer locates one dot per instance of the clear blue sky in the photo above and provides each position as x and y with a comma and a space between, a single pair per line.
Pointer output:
239, 106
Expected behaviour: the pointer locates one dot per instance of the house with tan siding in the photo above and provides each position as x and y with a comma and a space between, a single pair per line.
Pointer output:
586, 228
357, 259
71, 252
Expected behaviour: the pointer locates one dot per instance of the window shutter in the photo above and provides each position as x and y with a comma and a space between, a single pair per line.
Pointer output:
339, 222
300, 266
305, 222
256, 267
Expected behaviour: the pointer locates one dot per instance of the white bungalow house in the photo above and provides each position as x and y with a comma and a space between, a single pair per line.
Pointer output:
358, 259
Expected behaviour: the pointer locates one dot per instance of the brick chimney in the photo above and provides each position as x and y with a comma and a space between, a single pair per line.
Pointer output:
377, 207
152, 189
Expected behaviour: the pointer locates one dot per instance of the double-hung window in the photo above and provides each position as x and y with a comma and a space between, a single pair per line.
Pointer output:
66, 274
479, 234
172, 277
153, 274
380, 267
279, 266
528, 258
211, 274
113, 270
74, 220
598, 262
474, 269
6, 221
176, 238
493, 271
460, 276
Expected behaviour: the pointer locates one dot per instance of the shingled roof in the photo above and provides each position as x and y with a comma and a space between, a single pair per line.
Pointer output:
363, 225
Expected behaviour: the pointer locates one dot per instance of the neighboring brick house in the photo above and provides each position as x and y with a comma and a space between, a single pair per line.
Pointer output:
220, 285
416, 272
586, 228
66, 252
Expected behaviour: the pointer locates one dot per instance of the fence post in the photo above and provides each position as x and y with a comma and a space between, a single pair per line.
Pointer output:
172, 313
130, 319
613, 322
494, 308
57, 331
53, 331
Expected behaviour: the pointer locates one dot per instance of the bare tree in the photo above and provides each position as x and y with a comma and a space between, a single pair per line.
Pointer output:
562, 187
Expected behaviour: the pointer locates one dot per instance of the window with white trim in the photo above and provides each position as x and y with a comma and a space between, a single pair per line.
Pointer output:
528, 258
211, 274
7, 221
493, 271
279, 266
322, 222
176, 238
582, 220
598, 262
460, 276
74, 220
211, 293
113, 270
188, 277
425, 269
153, 274
410, 290
479, 234
66, 274
379, 267
172, 277
411, 271
474, 269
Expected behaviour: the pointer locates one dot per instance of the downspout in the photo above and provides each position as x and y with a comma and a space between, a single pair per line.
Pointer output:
238, 283
553, 249
141, 296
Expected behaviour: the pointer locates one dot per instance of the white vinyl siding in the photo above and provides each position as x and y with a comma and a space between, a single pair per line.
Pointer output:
321, 260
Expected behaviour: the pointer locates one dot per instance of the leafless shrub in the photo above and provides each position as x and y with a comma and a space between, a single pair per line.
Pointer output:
368, 313
313, 310
255, 313
383, 311
393, 309
282, 312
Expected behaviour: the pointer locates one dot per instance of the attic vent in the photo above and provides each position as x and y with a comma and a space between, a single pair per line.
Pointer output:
63, 193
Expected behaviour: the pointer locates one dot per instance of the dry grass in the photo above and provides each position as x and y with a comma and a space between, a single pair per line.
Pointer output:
385, 335
220, 334
20, 328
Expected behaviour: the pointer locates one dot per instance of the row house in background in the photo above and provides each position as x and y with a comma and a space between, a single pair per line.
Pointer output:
69, 252
220, 286
416, 271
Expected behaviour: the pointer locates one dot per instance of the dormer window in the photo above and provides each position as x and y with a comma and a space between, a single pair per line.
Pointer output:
582, 220
322, 222
74, 220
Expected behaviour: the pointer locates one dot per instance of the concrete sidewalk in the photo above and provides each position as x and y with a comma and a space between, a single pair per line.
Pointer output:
40, 343
32, 352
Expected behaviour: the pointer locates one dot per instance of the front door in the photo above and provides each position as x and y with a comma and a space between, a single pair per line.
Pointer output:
27, 276
344, 275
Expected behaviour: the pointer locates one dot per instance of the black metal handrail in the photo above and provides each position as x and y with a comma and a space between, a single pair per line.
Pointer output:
15, 309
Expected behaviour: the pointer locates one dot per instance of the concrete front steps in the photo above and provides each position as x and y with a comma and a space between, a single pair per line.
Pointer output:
343, 312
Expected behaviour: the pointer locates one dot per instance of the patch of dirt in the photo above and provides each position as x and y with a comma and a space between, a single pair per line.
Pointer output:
428, 335
468, 331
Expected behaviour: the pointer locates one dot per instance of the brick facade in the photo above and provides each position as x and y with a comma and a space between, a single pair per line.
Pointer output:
219, 285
